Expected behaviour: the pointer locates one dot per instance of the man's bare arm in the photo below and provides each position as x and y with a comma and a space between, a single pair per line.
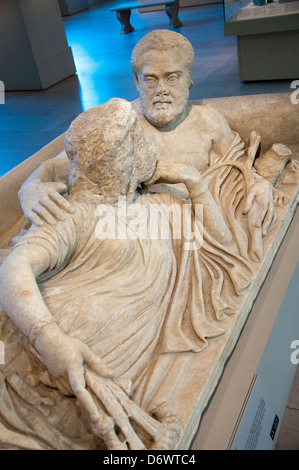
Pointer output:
221, 133
41, 195
199, 194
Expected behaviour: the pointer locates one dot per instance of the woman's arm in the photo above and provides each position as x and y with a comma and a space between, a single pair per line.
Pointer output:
20, 297
19, 293
69, 359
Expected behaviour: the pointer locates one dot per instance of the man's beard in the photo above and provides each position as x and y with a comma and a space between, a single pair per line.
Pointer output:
164, 113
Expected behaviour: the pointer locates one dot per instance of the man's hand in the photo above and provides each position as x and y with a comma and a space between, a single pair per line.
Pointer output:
42, 202
259, 205
280, 198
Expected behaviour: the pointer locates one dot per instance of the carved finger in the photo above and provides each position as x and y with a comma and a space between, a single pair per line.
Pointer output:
52, 208
276, 199
267, 222
95, 363
285, 198
293, 166
59, 187
35, 219
42, 212
101, 424
114, 409
126, 385
256, 244
121, 419
61, 200
134, 412
280, 198
77, 383
137, 414
260, 214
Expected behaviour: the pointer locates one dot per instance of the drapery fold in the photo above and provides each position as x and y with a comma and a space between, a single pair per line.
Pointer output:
145, 306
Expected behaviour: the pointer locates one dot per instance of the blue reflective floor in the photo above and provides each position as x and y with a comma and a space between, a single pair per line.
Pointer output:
30, 120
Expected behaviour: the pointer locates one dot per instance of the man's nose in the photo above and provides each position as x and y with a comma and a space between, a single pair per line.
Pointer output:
162, 88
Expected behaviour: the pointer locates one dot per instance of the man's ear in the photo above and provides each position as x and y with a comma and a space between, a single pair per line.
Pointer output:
191, 83
136, 81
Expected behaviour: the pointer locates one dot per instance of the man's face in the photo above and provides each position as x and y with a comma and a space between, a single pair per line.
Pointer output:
163, 83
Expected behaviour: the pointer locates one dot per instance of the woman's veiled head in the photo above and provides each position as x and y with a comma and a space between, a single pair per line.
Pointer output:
108, 152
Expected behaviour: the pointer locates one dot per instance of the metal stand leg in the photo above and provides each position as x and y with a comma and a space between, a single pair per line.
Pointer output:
172, 12
124, 17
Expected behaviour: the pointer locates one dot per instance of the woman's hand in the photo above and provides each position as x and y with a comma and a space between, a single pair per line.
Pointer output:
65, 358
107, 401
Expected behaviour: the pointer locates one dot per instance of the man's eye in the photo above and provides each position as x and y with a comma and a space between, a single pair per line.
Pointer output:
150, 81
173, 79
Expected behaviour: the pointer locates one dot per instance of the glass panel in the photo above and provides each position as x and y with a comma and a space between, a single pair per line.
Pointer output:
247, 9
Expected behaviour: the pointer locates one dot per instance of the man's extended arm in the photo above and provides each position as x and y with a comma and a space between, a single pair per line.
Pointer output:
199, 194
41, 194
259, 204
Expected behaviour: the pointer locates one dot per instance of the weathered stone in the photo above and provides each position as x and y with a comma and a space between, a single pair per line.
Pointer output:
124, 320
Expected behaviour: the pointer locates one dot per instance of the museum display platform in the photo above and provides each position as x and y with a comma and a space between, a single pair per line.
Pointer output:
248, 406
267, 38
243, 406
34, 50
